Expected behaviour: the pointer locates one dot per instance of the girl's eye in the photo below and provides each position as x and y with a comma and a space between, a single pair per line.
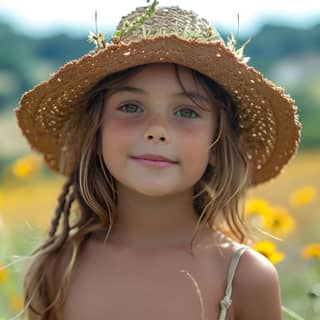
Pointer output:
130, 107
188, 112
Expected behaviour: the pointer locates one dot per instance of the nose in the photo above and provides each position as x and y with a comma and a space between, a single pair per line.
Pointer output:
157, 133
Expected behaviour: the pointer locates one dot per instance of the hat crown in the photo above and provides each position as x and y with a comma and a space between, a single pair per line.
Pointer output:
144, 23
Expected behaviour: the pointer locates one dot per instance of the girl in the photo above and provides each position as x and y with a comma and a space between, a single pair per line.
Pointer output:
160, 133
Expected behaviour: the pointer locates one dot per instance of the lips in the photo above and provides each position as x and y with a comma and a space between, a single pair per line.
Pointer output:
153, 157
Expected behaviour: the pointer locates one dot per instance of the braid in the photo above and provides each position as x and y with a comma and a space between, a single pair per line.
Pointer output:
60, 207
66, 225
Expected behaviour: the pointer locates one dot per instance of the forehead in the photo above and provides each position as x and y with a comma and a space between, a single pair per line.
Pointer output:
164, 76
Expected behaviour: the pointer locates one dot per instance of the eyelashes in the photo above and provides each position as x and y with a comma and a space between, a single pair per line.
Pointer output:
132, 108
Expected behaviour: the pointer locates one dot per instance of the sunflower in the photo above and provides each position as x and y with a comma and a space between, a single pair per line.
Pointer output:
279, 222
16, 303
257, 211
269, 250
26, 166
311, 250
3, 274
302, 196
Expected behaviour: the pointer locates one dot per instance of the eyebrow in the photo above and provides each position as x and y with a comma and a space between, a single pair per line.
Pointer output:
189, 94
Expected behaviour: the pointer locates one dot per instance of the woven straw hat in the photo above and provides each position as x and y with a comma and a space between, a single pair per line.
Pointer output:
152, 34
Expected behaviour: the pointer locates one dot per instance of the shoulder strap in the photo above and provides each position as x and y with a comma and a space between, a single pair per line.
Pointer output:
226, 301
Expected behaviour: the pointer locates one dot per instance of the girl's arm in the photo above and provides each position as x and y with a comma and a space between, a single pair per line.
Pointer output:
256, 288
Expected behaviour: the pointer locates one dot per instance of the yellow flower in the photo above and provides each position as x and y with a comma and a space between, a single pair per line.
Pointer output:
311, 250
1, 200
26, 166
3, 274
269, 250
16, 303
257, 210
279, 222
302, 196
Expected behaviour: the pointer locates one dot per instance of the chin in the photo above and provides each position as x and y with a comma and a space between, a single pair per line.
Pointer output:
155, 192
152, 189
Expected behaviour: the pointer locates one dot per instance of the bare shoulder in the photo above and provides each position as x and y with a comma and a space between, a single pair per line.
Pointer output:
256, 289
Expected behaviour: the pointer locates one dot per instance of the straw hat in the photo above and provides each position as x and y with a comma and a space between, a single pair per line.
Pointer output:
152, 34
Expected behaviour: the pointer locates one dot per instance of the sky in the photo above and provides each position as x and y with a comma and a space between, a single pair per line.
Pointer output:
77, 17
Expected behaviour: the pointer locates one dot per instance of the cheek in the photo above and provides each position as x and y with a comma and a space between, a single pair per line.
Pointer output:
197, 138
194, 146
116, 141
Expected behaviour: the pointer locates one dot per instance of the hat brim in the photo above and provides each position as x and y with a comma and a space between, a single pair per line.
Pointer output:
267, 115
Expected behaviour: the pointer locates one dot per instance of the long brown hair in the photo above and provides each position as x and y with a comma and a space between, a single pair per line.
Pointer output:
218, 196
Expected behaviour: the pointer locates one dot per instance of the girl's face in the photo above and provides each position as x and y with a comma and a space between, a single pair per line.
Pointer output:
150, 114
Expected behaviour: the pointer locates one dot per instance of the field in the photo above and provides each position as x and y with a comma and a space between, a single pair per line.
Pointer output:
28, 198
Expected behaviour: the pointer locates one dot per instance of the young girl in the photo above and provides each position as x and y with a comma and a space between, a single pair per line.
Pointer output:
160, 133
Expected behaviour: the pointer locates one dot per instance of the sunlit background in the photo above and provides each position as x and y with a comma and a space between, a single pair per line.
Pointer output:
36, 38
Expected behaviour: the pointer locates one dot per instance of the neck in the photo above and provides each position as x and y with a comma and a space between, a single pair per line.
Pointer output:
148, 222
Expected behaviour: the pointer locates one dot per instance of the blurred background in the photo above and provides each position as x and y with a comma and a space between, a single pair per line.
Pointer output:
37, 38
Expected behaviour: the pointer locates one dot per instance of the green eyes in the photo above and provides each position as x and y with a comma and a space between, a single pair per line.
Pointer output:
185, 112
130, 107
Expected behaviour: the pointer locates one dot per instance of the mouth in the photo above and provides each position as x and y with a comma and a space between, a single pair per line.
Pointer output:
153, 157
154, 163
